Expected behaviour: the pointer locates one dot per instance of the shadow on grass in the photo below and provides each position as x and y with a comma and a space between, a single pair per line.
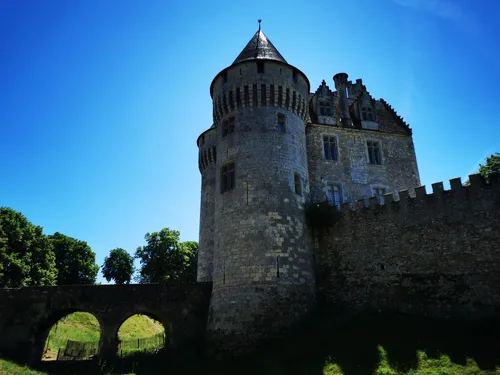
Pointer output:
350, 341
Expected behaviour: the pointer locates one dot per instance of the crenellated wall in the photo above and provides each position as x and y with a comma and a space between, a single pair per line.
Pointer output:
435, 253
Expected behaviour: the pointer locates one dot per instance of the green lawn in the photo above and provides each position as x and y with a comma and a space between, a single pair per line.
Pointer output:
84, 327
11, 368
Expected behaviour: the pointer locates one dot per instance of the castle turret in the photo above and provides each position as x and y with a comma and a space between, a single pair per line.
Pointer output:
340, 80
206, 162
262, 260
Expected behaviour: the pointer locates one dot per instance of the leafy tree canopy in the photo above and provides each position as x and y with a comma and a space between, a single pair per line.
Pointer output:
492, 165
75, 260
26, 255
164, 259
189, 250
118, 266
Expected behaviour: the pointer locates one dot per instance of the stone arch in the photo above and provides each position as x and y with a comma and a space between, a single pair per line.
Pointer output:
41, 331
165, 321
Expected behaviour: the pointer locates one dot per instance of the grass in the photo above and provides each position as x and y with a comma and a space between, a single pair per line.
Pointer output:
12, 368
328, 345
84, 327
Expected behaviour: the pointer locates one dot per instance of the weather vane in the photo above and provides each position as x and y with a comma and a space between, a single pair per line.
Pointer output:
259, 23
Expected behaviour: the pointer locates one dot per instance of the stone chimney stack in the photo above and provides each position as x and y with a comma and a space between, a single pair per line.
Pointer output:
340, 80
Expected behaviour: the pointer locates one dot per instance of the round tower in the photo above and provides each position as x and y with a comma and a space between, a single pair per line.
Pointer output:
262, 260
207, 142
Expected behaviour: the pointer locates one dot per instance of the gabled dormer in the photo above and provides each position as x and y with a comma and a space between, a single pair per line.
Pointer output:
366, 111
322, 105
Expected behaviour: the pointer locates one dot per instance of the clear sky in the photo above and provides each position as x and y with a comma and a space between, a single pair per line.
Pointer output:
101, 102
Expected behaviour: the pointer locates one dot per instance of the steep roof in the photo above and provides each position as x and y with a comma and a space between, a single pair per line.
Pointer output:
259, 48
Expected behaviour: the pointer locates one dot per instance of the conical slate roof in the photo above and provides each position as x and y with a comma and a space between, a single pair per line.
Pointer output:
259, 47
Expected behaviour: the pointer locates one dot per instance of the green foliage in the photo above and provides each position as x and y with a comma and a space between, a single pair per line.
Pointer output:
322, 215
164, 259
26, 255
491, 166
118, 266
189, 250
75, 260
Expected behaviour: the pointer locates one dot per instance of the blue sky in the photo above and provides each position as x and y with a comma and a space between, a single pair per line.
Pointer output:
101, 102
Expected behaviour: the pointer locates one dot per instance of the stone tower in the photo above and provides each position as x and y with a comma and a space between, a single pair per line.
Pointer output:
254, 245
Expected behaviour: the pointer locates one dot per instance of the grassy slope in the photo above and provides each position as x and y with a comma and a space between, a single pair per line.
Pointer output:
362, 347
11, 368
82, 326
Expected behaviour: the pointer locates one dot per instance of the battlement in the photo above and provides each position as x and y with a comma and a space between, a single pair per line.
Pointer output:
439, 196
436, 253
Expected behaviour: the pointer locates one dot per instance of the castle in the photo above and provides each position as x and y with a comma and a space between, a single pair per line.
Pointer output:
273, 147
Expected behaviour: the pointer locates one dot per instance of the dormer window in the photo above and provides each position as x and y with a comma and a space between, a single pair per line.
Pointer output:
325, 108
367, 114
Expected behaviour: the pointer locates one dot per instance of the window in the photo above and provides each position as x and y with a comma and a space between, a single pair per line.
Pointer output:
334, 196
246, 96
271, 94
367, 114
325, 108
280, 95
287, 98
263, 95
238, 97
374, 156
228, 126
227, 178
330, 147
379, 193
281, 124
297, 180
231, 101
254, 95
260, 67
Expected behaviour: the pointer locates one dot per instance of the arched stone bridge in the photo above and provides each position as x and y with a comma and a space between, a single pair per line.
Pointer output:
27, 314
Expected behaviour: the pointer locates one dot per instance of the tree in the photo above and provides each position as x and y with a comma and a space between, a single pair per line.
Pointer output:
118, 266
26, 255
189, 250
164, 259
492, 166
75, 260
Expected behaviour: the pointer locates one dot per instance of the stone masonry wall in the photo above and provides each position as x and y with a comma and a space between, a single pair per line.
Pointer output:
432, 254
352, 170
28, 314
262, 251
207, 157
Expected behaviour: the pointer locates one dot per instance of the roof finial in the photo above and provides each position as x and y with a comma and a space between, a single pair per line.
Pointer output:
259, 23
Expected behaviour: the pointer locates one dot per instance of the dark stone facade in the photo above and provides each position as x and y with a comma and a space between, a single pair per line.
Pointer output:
435, 254
28, 314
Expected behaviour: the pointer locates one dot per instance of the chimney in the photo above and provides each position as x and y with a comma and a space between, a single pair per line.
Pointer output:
340, 80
